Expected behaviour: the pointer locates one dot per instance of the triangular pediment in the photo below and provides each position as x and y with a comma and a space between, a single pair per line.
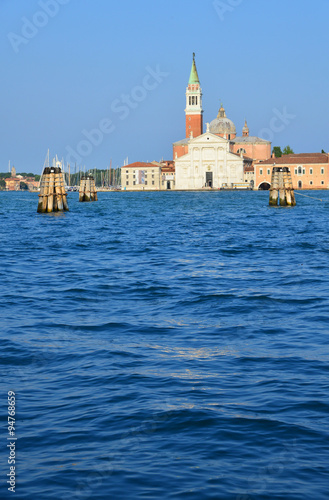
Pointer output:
208, 137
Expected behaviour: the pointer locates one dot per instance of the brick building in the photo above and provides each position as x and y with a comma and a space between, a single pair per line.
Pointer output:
308, 170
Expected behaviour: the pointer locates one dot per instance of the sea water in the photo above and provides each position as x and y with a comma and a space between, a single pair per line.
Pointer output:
166, 346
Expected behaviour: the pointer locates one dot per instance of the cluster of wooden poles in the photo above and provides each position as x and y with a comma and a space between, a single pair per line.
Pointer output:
87, 191
52, 197
282, 191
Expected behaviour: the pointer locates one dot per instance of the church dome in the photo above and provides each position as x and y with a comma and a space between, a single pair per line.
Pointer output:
222, 125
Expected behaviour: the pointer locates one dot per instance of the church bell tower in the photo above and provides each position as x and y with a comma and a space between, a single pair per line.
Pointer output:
194, 111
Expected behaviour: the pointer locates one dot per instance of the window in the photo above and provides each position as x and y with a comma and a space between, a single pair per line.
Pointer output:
134, 183
127, 171
296, 171
311, 183
127, 176
193, 100
311, 171
268, 171
152, 176
127, 183
299, 170
145, 182
260, 171
241, 150
152, 183
322, 171
304, 171
196, 100
322, 182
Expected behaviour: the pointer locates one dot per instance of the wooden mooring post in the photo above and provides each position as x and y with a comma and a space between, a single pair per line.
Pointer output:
52, 197
87, 191
282, 191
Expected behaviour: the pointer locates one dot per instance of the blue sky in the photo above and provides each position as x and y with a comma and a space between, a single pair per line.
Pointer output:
95, 80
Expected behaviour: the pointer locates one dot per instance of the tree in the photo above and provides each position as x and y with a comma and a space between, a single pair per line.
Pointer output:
2, 184
277, 151
323, 152
23, 186
288, 151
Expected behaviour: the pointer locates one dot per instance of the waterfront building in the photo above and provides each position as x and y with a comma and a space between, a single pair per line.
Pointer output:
155, 176
168, 178
251, 147
219, 158
207, 160
308, 170
208, 164
13, 183
249, 173
32, 184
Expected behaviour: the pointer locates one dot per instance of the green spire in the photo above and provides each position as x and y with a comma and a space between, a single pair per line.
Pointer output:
194, 77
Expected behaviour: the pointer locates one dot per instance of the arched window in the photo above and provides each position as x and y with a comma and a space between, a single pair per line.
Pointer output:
241, 150
299, 170
300, 184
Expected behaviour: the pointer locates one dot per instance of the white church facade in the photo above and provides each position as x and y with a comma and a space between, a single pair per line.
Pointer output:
208, 164
204, 160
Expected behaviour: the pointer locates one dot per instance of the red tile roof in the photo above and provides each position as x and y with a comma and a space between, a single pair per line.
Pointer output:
169, 168
303, 158
140, 164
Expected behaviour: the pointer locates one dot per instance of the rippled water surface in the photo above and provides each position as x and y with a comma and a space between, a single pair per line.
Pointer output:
166, 346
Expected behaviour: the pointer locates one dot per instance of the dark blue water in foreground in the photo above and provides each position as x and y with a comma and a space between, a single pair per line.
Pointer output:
166, 346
